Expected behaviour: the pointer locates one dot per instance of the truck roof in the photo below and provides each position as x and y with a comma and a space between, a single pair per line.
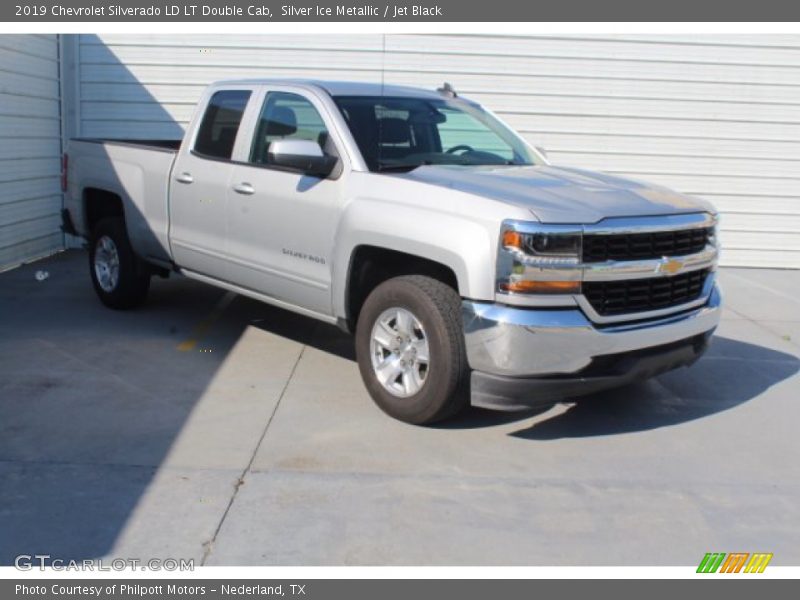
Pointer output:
342, 88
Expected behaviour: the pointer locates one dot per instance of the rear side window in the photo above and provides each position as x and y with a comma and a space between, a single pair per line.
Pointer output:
220, 124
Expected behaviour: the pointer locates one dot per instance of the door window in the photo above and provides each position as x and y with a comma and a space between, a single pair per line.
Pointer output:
287, 116
220, 124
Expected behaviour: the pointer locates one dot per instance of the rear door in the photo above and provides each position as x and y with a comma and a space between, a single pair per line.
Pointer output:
200, 181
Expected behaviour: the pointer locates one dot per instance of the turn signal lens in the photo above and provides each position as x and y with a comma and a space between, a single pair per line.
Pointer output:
561, 246
512, 239
541, 287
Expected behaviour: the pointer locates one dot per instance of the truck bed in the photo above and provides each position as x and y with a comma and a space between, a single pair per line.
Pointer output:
133, 171
162, 145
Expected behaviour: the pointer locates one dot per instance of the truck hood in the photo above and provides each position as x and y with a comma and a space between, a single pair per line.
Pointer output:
560, 194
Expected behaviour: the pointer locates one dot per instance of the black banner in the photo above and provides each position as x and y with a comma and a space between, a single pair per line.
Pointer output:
398, 11
734, 588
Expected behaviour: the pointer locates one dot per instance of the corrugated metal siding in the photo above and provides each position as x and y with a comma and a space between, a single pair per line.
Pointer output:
30, 195
714, 116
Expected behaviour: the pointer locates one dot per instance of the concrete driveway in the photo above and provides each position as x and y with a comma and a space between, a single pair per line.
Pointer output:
209, 426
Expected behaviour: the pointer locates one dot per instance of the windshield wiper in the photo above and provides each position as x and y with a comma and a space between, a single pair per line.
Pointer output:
402, 166
412, 166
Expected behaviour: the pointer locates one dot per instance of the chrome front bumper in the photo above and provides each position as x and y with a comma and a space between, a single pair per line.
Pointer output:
508, 345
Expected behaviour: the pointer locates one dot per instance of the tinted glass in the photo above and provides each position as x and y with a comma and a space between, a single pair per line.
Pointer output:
220, 124
287, 116
406, 132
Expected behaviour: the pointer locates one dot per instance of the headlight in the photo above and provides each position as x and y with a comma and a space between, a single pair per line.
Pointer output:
539, 259
543, 246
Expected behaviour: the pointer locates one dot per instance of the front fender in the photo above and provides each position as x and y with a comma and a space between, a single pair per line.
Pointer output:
465, 245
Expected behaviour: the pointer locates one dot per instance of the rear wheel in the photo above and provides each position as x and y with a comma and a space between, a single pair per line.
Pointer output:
120, 278
410, 349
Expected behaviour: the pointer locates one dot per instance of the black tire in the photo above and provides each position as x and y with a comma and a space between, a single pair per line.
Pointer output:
133, 281
437, 307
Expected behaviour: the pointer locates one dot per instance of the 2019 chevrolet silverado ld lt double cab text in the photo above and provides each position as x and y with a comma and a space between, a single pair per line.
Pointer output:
468, 267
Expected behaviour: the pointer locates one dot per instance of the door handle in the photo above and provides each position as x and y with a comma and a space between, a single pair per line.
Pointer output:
184, 178
244, 188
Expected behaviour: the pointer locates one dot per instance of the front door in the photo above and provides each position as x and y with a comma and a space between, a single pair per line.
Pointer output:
281, 223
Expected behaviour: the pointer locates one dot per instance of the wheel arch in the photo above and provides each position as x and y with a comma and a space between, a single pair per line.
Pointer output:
100, 203
371, 265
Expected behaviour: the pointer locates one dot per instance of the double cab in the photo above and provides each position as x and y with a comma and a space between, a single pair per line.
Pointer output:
468, 268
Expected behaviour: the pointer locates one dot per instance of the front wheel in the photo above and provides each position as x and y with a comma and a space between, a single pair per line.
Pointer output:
410, 349
120, 278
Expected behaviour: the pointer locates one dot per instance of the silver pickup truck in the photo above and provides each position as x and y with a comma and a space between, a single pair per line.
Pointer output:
468, 268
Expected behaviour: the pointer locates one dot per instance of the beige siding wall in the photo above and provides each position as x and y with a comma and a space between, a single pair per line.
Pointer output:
30, 147
715, 116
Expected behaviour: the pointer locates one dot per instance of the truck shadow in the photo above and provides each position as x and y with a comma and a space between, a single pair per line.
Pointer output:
94, 400
93, 403
732, 373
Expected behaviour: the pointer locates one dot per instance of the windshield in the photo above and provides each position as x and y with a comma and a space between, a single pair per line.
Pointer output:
404, 133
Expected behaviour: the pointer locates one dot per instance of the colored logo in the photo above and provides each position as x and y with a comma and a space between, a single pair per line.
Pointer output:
670, 266
735, 562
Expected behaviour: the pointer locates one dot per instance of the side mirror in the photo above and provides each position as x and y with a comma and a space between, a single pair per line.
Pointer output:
301, 155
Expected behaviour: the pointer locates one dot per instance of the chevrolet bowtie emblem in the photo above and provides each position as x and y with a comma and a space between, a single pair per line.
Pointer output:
670, 266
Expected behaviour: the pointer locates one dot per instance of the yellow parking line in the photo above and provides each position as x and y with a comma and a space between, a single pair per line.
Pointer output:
205, 325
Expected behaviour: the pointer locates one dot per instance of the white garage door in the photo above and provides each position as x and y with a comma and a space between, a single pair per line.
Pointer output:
715, 116
30, 148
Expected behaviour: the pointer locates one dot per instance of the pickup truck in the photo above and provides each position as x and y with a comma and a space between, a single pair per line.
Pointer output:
467, 267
